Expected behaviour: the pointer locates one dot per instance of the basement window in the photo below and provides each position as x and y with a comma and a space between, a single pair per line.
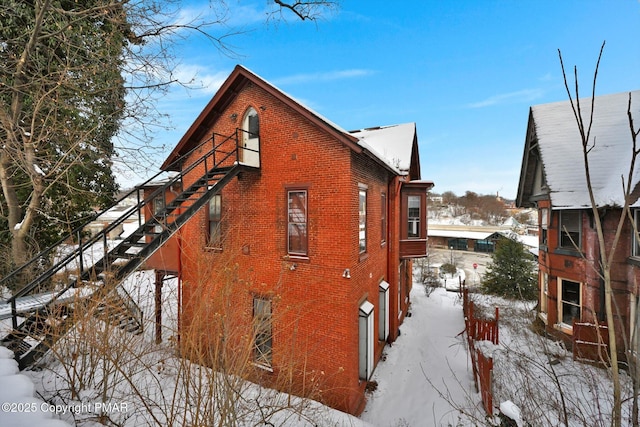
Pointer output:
263, 335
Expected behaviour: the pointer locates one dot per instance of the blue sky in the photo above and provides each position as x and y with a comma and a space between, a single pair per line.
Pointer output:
465, 71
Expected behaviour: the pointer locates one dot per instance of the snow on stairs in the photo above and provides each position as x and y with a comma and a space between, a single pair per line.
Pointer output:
118, 309
38, 332
33, 337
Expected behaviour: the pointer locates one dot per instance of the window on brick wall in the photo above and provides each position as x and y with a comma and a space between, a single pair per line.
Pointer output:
570, 307
362, 219
635, 245
383, 218
263, 334
570, 229
249, 152
413, 216
158, 206
214, 230
383, 313
544, 294
365, 340
544, 226
297, 236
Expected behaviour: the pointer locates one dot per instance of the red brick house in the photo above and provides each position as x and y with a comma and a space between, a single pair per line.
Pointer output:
552, 179
315, 234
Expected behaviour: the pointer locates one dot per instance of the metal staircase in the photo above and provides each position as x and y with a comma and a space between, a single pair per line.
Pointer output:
76, 280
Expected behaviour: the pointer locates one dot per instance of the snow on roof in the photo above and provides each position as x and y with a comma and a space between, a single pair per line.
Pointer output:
609, 158
393, 144
460, 234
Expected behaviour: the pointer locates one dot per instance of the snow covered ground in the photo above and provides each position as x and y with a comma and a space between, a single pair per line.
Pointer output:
426, 369
424, 379
18, 405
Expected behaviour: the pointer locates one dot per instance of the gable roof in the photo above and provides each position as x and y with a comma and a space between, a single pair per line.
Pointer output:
401, 137
553, 143
396, 144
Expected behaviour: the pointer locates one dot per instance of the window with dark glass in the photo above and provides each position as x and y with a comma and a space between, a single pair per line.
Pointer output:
413, 217
383, 218
253, 124
263, 334
365, 340
570, 302
158, 204
362, 220
215, 220
297, 238
570, 226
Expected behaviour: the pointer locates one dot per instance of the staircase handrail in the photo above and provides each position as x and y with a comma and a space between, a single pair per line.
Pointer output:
103, 233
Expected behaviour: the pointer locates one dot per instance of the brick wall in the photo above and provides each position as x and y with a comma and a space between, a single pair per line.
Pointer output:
585, 270
315, 309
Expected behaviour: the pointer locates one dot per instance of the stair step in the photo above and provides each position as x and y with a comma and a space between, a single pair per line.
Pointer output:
125, 255
18, 346
35, 334
138, 244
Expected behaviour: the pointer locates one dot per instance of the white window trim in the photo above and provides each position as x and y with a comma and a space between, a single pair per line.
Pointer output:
564, 327
544, 297
363, 235
634, 324
365, 340
383, 315
635, 243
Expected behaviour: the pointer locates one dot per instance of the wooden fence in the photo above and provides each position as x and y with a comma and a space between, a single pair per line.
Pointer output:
590, 342
480, 330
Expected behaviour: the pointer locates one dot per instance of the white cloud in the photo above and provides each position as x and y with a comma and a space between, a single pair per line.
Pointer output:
195, 81
526, 95
322, 76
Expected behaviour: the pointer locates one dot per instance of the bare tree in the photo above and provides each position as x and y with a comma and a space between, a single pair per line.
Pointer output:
215, 373
607, 250
79, 83
305, 10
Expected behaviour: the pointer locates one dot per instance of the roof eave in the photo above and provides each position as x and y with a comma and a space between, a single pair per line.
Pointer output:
238, 78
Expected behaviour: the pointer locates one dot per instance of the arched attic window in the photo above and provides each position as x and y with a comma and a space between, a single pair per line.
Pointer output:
250, 150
